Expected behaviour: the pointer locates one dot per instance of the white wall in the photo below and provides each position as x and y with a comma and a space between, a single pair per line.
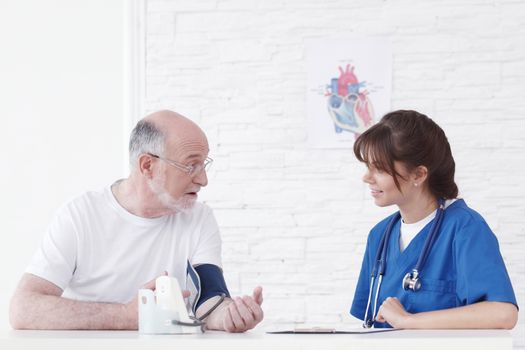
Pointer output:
61, 107
295, 219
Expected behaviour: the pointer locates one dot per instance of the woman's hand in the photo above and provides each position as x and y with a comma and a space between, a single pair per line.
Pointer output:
393, 312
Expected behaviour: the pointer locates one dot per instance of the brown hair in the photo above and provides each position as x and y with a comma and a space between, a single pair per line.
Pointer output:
413, 139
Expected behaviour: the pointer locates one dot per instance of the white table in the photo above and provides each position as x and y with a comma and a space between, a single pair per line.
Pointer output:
254, 340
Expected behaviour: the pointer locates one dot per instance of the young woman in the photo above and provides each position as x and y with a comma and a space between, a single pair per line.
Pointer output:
436, 262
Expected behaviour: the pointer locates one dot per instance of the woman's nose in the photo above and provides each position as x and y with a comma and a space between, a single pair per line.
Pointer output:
366, 177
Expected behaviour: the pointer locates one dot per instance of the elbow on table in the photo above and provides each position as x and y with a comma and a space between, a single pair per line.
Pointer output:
16, 323
18, 316
508, 317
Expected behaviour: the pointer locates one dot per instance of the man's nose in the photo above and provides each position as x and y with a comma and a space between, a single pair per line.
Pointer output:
201, 178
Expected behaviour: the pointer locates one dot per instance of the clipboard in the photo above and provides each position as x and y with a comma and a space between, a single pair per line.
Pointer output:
319, 330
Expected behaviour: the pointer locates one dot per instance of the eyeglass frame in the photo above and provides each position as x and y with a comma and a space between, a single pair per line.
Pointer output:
189, 169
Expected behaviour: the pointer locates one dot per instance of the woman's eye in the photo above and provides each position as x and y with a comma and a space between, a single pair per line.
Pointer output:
373, 168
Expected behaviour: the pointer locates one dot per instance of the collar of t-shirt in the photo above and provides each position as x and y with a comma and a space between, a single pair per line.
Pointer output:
129, 217
409, 231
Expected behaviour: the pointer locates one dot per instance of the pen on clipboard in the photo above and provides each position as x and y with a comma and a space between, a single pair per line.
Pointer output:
314, 330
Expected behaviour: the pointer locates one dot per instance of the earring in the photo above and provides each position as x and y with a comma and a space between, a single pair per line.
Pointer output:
415, 184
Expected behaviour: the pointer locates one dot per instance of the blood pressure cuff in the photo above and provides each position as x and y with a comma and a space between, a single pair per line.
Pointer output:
212, 283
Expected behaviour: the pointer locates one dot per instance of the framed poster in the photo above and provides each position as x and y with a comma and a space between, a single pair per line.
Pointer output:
349, 88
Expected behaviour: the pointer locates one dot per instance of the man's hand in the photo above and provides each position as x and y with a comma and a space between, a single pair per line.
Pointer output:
234, 315
393, 312
243, 313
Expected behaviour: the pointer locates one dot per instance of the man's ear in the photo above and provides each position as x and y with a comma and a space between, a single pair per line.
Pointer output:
145, 165
420, 174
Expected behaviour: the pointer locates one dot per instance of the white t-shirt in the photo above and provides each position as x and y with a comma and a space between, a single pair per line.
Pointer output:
95, 250
409, 231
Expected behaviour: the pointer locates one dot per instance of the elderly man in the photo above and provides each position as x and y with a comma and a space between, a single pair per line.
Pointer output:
103, 246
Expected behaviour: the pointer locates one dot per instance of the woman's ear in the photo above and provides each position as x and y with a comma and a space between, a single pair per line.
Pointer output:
419, 175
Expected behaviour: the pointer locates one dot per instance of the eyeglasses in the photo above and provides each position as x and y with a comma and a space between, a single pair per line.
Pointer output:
191, 170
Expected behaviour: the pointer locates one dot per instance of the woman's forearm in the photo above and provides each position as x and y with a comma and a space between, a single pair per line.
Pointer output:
486, 314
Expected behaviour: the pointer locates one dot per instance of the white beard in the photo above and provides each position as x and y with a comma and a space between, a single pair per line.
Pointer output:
168, 201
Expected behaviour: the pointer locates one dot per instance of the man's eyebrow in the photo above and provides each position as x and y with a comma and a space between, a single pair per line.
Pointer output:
193, 156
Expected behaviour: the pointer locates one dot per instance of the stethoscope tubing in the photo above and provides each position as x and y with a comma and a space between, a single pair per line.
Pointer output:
432, 237
380, 261
381, 255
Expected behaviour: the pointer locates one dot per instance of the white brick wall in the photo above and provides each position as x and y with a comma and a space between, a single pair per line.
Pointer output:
294, 219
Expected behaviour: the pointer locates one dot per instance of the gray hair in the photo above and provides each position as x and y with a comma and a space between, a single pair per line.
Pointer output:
145, 138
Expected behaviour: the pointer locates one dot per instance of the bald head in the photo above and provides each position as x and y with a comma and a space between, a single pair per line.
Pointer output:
165, 120
163, 130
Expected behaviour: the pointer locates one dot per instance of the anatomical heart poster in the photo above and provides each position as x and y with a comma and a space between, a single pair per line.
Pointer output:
349, 88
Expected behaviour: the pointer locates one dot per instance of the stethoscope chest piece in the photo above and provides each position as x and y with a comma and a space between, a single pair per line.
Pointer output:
368, 323
412, 281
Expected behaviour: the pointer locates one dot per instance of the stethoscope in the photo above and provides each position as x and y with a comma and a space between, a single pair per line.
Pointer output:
412, 280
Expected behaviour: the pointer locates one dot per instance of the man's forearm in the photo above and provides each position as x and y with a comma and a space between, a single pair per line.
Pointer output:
40, 311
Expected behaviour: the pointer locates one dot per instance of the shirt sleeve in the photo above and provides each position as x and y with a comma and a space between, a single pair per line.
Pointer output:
55, 258
481, 271
208, 248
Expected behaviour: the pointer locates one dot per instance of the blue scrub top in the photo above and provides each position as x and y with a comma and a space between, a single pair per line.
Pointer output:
464, 266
